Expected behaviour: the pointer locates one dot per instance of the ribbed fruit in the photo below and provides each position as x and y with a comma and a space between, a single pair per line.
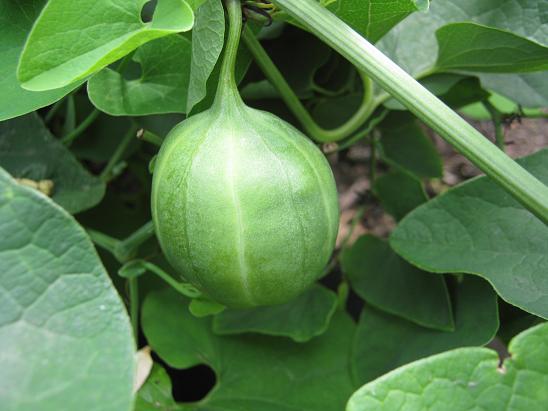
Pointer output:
245, 206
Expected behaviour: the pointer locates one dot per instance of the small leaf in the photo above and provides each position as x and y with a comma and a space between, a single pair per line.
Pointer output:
466, 379
207, 44
301, 319
405, 146
253, 372
16, 19
72, 40
399, 193
63, 328
200, 307
474, 47
478, 228
386, 281
28, 150
155, 394
396, 342
161, 88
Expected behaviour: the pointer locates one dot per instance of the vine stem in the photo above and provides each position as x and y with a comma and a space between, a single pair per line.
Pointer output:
88, 121
496, 118
527, 189
118, 153
318, 133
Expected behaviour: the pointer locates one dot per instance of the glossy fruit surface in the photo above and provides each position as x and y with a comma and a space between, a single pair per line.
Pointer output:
245, 207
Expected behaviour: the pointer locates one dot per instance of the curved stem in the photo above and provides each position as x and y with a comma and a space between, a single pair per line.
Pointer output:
290, 98
81, 127
527, 189
227, 88
118, 153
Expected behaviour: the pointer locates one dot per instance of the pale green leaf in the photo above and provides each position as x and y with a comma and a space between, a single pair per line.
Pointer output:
207, 44
161, 88
16, 19
73, 39
66, 339
466, 379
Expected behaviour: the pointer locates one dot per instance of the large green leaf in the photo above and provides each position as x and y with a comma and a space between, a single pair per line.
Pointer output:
161, 88
16, 18
388, 282
384, 342
413, 45
466, 379
65, 335
73, 39
374, 18
253, 372
473, 47
28, 150
301, 319
207, 44
478, 228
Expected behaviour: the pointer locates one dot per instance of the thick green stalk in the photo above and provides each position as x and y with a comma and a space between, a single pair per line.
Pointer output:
290, 98
227, 89
517, 181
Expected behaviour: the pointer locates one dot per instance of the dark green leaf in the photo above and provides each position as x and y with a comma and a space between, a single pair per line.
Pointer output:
72, 40
406, 147
399, 193
253, 372
473, 47
301, 319
478, 228
384, 342
386, 281
64, 332
28, 150
466, 379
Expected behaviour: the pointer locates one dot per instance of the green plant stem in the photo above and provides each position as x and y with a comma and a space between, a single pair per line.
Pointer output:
70, 137
52, 111
183, 288
290, 98
133, 284
496, 117
122, 250
363, 133
131, 243
149, 137
462, 136
103, 240
118, 153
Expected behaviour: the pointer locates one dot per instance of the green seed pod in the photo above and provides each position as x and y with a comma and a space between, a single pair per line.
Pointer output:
244, 205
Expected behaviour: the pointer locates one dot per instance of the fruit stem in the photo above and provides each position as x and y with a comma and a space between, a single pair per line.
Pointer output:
227, 87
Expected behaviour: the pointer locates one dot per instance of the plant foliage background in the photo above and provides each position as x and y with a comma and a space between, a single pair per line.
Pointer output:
404, 316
